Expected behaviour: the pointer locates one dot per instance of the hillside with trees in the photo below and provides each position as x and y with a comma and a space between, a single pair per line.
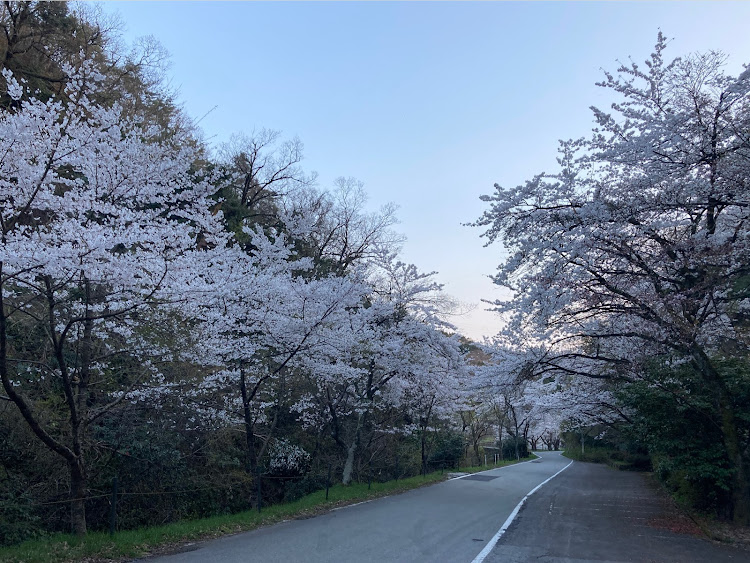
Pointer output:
205, 326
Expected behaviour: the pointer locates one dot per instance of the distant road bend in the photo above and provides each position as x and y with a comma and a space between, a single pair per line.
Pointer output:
455, 520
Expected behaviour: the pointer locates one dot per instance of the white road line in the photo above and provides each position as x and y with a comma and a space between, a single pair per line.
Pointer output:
491, 544
358, 503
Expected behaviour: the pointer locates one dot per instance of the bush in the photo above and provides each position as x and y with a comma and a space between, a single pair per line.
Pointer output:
509, 448
447, 452
18, 522
295, 490
684, 436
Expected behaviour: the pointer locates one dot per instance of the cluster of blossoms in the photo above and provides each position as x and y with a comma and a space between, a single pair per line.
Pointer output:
286, 457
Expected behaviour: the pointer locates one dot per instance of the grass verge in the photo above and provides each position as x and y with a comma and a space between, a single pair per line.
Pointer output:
130, 544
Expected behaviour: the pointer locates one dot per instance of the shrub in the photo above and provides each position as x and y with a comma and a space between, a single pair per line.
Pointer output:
509, 448
447, 452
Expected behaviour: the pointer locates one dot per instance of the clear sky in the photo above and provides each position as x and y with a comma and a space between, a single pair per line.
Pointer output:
429, 104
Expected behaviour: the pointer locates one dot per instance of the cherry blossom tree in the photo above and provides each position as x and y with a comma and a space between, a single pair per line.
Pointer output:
435, 387
283, 293
375, 360
262, 320
639, 246
99, 220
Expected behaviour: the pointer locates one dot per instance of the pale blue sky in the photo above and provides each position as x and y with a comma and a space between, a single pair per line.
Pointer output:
429, 104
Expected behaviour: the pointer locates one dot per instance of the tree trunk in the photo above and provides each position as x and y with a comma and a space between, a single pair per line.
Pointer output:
73, 459
424, 422
349, 465
500, 438
351, 450
251, 461
79, 423
77, 497
475, 447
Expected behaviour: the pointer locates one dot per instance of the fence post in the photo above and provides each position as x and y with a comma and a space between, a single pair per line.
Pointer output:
257, 478
328, 480
396, 467
113, 508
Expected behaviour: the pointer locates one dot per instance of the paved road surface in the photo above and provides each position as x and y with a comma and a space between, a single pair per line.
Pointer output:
593, 513
450, 521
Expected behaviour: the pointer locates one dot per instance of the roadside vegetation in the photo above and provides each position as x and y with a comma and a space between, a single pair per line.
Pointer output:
608, 454
123, 545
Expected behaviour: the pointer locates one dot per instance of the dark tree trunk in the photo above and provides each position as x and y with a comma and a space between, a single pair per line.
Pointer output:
500, 438
77, 497
346, 477
251, 460
423, 423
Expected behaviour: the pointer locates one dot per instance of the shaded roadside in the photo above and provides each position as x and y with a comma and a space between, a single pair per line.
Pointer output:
594, 513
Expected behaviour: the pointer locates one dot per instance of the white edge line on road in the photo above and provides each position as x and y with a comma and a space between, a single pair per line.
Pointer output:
355, 504
495, 468
491, 544
451, 479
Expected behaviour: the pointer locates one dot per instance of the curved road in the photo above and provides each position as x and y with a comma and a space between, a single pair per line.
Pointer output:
451, 521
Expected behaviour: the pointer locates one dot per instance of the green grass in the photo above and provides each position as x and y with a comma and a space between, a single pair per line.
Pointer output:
100, 546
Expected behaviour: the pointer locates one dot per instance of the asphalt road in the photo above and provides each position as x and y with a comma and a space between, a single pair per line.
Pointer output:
593, 513
451, 521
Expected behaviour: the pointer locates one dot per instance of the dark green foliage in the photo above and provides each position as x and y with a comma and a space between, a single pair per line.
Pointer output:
512, 445
678, 419
167, 472
32, 482
447, 451
297, 489
18, 518
616, 457
34, 33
